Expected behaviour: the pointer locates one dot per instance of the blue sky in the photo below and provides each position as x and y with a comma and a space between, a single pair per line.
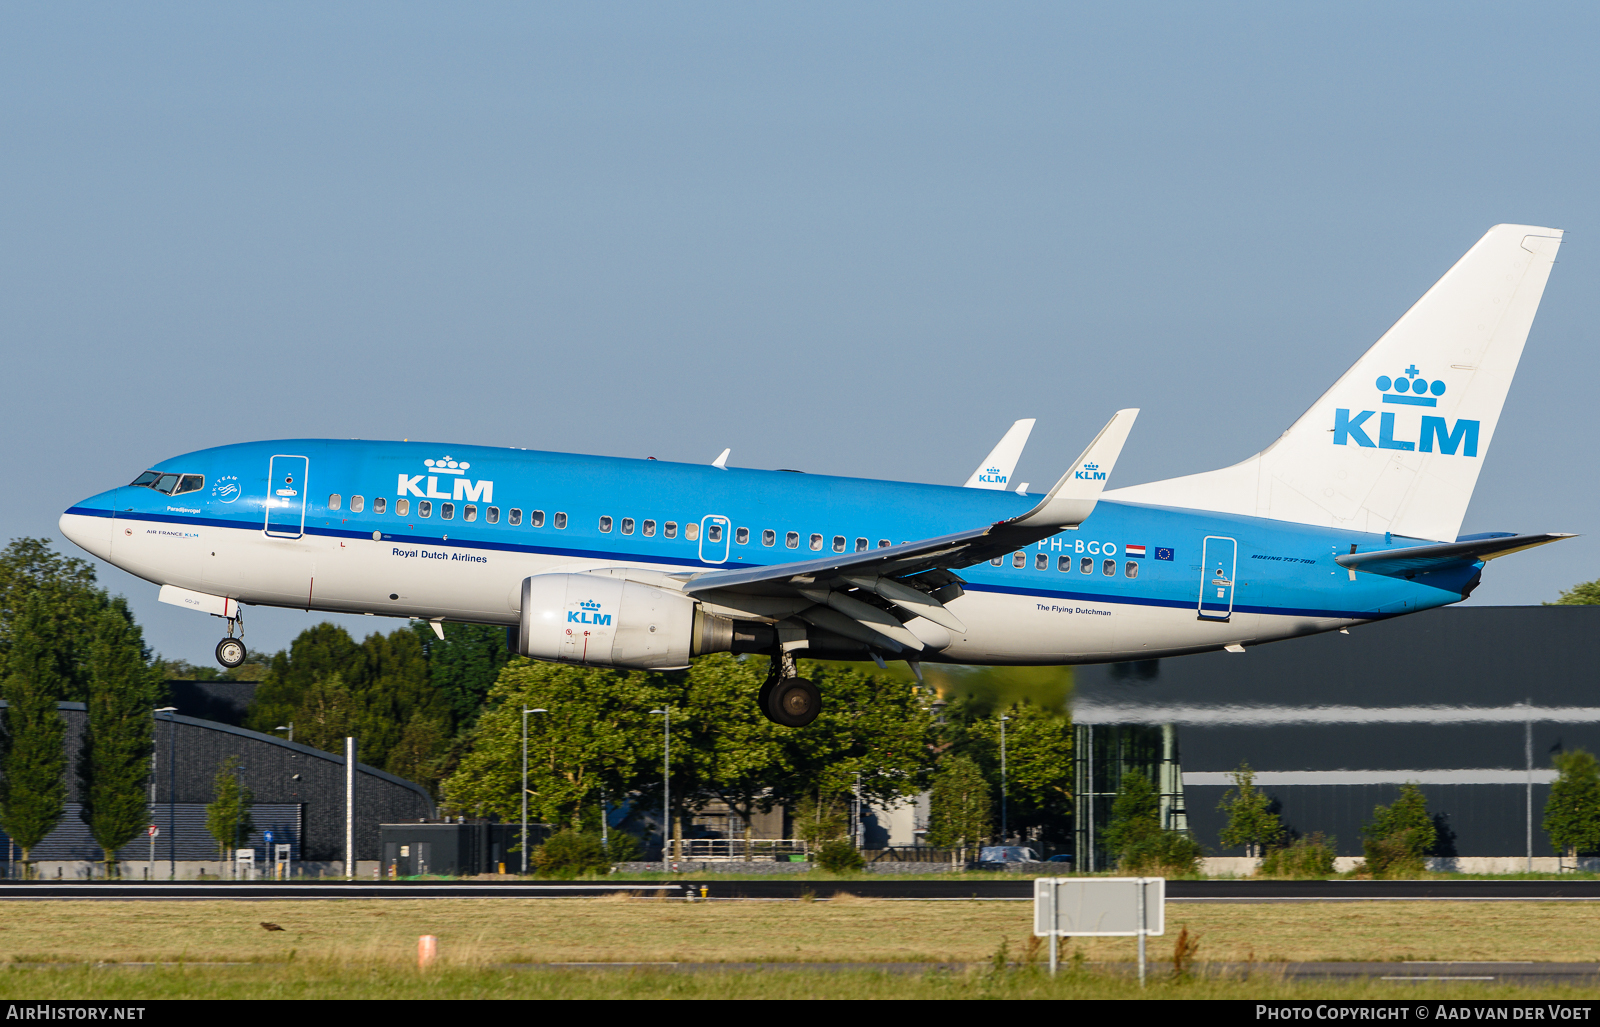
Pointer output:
854, 239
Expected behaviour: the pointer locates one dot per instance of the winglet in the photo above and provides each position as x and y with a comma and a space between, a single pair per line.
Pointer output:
995, 471
1074, 497
721, 462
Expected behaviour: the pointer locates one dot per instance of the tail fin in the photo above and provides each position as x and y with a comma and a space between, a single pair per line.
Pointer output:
995, 471
1396, 444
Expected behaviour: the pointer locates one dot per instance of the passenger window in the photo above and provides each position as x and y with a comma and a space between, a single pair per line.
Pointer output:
838, 543
333, 501
492, 515
997, 561
605, 525
402, 507
769, 537
1086, 565
560, 520
713, 533
883, 543
670, 529
379, 504
1109, 568
649, 528
447, 511
191, 483
792, 540
469, 513
515, 517
1019, 559
357, 503
627, 525
535, 518
1063, 563
1041, 561
1132, 570
691, 531
424, 508
861, 545
816, 543
742, 536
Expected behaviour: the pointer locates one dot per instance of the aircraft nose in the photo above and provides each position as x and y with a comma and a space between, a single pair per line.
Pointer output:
88, 524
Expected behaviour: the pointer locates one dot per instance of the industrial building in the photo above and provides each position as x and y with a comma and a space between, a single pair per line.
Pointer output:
1470, 704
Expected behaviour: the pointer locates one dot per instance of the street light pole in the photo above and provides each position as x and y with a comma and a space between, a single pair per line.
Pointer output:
666, 787
153, 779
172, 797
525, 712
1004, 834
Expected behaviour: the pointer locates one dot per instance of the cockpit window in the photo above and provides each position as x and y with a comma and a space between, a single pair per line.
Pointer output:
171, 484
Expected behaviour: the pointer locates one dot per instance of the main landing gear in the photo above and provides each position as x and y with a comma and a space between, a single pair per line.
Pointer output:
786, 699
231, 651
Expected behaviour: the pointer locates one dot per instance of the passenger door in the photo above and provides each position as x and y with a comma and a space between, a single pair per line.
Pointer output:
286, 496
1217, 568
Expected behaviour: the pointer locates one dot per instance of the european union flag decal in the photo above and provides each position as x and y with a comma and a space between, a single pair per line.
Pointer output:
1163, 553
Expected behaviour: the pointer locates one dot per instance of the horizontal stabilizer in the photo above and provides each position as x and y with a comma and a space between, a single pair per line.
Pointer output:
1400, 562
1074, 497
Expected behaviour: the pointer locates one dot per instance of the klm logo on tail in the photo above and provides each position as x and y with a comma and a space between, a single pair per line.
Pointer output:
1090, 472
1409, 390
992, 475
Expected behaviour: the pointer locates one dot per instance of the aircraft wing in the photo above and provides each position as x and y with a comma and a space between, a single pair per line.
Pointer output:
858, 594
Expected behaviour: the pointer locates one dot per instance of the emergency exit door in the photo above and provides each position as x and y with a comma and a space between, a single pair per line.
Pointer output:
1217, 568
286, 496
714, 532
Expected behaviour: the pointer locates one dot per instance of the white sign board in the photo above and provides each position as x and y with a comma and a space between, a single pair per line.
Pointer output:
1099, 906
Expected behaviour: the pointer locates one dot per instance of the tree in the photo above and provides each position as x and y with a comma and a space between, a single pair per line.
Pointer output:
960, 809
33, 758
1572, 814
70, 602
1135, 833
1400, 835
1585, 594
1251, 822
464, 665
1038, 764
228, 818
598, 734
114, 763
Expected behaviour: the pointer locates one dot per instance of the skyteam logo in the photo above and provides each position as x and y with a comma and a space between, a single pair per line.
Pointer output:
463, 491
226, 488
993, 476
1407, 389
588, 612
1091, 472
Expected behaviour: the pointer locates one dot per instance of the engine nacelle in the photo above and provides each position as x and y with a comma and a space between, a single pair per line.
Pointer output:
602, 621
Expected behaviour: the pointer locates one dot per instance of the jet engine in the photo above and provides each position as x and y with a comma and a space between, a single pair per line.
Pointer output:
603, 621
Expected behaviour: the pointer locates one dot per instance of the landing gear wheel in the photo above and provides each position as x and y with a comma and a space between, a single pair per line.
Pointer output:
764, 694
230, 652
792, 702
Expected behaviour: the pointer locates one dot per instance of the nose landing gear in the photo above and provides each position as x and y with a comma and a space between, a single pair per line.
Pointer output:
230, 651
787, 699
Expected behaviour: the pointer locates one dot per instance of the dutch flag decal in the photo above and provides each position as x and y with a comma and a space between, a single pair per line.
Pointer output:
1137, 552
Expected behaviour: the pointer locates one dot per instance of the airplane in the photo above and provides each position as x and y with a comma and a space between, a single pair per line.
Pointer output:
1351, 516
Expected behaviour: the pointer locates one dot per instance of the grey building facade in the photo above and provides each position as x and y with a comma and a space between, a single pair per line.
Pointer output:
1468, 703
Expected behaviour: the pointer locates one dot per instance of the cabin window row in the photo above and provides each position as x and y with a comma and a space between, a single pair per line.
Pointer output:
1086, 564
741, 536
447, 511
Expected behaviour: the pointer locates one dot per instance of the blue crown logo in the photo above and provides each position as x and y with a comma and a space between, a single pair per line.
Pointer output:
992, 470
589, 604
1409, 390
1091, 467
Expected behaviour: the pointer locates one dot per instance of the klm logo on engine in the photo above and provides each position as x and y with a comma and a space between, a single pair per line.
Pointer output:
463, 490
992, 476
1090, 472
589, 613
1412, 391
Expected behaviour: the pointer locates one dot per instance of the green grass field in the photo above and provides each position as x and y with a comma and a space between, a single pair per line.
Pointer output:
367, 948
